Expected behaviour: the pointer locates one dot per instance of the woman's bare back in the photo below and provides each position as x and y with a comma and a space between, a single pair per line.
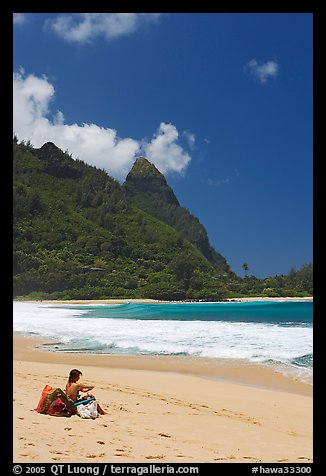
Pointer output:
72, 390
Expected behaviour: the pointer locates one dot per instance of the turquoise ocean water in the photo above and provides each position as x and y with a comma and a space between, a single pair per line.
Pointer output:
266, 332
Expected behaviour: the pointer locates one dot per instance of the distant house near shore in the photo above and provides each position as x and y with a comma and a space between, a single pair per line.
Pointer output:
90, 268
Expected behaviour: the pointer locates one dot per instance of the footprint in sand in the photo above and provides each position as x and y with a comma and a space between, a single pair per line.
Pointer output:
121, 453
155, 457
224, 458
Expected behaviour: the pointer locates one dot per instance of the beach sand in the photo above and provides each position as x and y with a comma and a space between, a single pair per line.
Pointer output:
161, 409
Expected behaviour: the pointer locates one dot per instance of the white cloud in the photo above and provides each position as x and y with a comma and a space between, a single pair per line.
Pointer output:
91, 143
19, 18
164, 152
263, 71
84, 27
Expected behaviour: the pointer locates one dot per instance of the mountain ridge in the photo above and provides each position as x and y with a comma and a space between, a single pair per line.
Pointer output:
77, 235
70, 216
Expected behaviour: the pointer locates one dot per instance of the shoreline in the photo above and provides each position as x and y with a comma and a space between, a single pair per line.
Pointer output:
209, 367
238, 371
155, 301
160, 410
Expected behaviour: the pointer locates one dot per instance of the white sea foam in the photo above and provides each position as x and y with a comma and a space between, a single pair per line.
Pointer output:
259, 342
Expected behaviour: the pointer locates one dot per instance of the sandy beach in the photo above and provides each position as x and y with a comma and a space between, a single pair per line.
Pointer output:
161, 409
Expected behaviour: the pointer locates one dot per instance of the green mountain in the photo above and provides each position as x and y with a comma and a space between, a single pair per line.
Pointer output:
79, 234
149, 191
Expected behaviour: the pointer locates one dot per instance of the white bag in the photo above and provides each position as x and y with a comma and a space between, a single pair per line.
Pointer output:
89, 410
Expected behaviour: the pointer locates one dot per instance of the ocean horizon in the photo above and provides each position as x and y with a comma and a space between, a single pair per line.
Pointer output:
277, 334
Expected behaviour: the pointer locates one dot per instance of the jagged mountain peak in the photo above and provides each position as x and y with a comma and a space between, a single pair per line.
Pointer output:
56, 162
143, 167
49, 146
49, 149
144, 177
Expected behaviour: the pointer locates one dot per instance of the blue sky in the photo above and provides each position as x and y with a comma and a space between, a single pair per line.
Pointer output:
220, 103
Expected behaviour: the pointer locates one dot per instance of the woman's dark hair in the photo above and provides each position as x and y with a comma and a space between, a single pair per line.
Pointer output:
74, 375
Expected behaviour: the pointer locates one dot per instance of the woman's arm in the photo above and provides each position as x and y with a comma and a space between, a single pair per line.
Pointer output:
85, 387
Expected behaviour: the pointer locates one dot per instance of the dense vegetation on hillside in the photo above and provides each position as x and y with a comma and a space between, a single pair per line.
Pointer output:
79, 234
148, 190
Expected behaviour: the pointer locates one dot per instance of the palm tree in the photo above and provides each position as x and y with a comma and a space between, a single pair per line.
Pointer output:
245, 266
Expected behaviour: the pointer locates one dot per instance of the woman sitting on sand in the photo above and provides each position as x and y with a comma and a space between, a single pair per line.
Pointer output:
73, 388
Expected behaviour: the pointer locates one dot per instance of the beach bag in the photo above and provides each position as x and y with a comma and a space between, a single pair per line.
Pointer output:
88, 410
56, 407
45, 392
